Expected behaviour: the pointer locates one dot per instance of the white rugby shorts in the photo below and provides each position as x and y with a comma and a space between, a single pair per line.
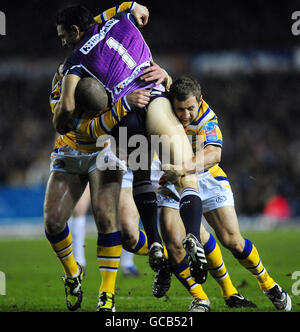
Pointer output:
214, 194
68, 160
156, 173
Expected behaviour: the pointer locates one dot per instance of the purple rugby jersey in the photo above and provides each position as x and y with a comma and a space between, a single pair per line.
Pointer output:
115, 53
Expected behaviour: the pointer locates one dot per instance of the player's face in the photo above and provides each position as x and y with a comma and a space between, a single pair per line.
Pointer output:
69, 39
186, 111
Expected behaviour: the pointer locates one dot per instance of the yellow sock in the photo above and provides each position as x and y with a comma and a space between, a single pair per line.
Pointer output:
183, 274
218, 269
142, 246
109, 250
251, 261
62, 246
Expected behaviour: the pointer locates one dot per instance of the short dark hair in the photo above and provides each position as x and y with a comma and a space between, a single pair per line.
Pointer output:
184, 87
74, 15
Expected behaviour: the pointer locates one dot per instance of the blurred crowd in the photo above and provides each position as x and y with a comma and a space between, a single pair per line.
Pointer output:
259, 118
174, 26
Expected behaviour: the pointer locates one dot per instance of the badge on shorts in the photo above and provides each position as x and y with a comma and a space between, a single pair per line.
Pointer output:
220, 199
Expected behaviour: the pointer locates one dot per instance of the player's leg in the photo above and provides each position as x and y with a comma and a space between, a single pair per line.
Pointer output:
146, 202
225, 223
143, 192
162, 121
173, 233
133, 239
105, 191
62, 193
77, 225
218, 271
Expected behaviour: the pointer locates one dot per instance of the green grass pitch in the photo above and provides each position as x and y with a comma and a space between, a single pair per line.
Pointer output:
32, 274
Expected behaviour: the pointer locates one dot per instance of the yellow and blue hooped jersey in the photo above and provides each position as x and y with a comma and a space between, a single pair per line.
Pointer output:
205, 130
103, 124
109, 13
86, 130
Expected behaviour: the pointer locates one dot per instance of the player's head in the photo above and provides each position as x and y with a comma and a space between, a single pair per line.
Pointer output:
90, 96
186, 98
71, 24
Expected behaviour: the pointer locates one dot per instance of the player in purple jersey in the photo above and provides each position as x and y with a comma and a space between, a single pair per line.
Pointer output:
99, 52
116, 54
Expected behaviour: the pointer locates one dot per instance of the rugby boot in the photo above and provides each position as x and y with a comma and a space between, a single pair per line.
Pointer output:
196, 258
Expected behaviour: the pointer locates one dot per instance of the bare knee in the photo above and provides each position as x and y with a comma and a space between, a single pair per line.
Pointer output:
105, 220
175, 250
54, 222
130, 237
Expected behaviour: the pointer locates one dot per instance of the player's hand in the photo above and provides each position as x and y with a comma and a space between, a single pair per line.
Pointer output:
141, 15
171, 175
154, 73
138, 99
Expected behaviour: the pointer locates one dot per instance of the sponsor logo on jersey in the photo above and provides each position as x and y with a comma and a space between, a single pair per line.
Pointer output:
95, 39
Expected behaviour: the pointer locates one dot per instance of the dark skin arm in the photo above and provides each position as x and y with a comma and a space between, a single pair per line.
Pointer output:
65, 107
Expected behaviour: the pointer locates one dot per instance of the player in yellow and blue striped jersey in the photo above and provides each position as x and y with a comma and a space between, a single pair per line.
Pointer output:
201, 123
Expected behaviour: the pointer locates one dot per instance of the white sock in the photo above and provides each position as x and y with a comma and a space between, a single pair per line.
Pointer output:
126, 259
78, 230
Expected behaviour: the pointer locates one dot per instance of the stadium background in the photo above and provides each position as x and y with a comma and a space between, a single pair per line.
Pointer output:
248, 63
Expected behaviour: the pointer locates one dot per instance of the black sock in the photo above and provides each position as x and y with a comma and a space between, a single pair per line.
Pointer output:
191, 211
146, 202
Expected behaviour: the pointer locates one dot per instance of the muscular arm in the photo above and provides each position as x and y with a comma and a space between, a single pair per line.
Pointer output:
206, 158
202, 161
65, 107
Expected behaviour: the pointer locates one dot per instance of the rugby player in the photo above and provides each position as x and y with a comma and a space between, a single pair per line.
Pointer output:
201, 123
73, 165
116, 54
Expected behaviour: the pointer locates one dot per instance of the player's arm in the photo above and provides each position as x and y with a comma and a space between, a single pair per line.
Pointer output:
207, 158
202, 161
92, 126
58, 75
65, 107
209, 154
139, 12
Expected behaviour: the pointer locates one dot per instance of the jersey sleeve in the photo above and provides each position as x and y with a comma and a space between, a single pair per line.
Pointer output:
110, 13
211, 133
73, 66
55, 95
103, 124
